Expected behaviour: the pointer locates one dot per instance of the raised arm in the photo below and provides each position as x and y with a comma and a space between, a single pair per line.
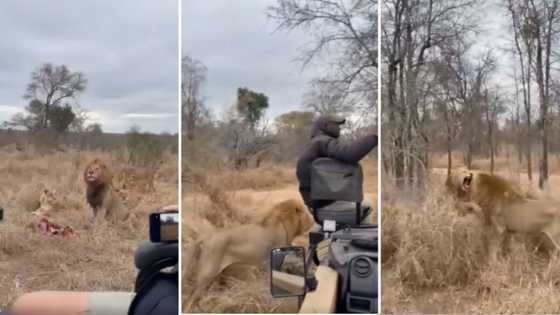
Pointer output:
352, 151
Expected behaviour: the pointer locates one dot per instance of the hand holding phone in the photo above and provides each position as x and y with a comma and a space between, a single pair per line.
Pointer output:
164, 227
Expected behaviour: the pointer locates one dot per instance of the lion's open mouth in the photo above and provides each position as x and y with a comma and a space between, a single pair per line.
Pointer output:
467, 181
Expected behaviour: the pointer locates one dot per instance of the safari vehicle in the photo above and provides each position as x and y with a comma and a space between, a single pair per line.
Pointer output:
343, 253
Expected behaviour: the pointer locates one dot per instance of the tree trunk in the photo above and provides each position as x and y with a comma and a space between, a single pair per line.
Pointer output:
543, 167
492, 150
525, 81
551, 12
449, 139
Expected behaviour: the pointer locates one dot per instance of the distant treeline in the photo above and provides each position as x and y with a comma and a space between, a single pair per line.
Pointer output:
82, 141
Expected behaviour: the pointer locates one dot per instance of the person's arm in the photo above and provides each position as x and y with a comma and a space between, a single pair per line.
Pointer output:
72, 303
353, 151
51, 303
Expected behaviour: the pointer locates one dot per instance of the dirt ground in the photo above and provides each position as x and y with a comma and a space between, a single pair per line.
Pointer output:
100, 257
433, 260
244, 289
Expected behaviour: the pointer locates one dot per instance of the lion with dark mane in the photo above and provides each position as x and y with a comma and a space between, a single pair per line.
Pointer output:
99, 190
503, 207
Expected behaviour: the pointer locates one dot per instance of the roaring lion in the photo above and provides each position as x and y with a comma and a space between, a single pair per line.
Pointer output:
503, 207
246, 244
99, 190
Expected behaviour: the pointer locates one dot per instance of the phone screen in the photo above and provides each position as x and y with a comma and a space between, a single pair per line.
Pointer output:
164, 227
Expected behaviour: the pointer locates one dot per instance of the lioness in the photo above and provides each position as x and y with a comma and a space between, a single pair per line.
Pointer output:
99, 190
503, 207
47, 201
249, 244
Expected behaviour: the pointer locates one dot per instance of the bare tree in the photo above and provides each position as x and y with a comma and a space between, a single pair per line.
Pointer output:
535, 29
350, 25
193, 108
545, 15
516, 116
242, 141
492, 108
524, 49
327, 97
447, 106
348, 38
410, 30
469, 80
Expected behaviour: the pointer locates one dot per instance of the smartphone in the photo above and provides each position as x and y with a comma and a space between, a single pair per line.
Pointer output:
164, 227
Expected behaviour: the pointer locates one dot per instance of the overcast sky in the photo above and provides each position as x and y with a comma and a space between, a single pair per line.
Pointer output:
128, 50
496, 35
238, 45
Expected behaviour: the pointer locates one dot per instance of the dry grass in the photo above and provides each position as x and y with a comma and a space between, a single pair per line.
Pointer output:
100, 257
217, 199
434, 260
268, 176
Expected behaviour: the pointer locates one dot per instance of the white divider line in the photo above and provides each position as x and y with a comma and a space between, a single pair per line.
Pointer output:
179, 146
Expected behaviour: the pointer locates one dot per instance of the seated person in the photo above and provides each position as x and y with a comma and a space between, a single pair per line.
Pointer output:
326, 143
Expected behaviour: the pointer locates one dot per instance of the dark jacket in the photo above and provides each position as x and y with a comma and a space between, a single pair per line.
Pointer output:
325, 143
160, 298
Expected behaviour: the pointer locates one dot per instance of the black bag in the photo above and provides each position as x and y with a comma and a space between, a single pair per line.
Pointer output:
335, 180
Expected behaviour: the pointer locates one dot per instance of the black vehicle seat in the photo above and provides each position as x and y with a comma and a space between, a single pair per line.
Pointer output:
343, 212
149, 253
156, 291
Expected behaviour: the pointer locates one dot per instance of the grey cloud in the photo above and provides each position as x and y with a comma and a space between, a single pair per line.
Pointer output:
237, 42
127, 49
